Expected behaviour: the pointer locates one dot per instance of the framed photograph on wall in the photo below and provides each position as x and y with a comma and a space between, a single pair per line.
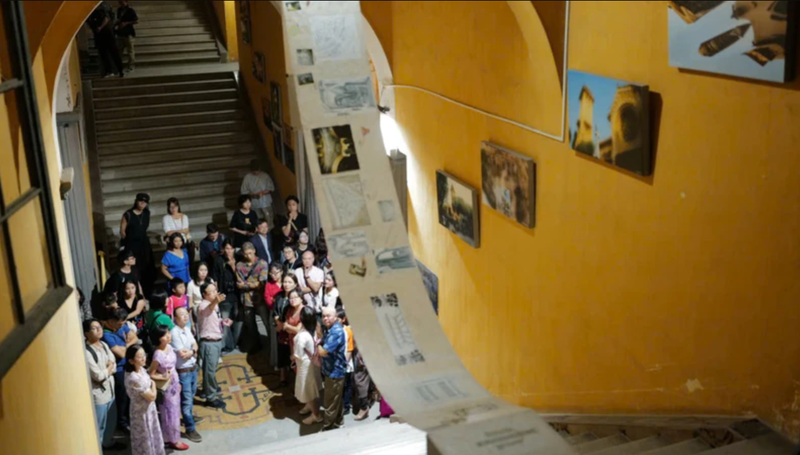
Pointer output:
755, 40
277, 144
609, 119
508, 180
458, 208
260, 67
265, 112
245, 21
275, 97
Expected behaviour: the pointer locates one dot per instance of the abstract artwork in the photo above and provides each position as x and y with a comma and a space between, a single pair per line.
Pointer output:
745, 39
336, 149
509, 183
392, 259
244, 21
458, 208
259, 67
609, 120
431, 282
346, 203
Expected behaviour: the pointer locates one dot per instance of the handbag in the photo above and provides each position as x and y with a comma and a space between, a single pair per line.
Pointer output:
162, 385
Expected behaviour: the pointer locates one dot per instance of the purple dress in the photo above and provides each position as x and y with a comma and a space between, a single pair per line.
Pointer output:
171, 408
146, 436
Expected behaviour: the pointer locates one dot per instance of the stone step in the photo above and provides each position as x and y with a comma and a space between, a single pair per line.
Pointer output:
689, 447
601, 444
169, 120
166, 132
153, 80
168, 109
233, 176
219, 216
173, 31
771, 444
156, 49
178, 58
166, 40
188, 206
160, 3
161, 99
160, 14
196, 21
177, 8
159, 197
581, 438
198, 233
162, 156
172, 169
176, 143
636, 447
161, 89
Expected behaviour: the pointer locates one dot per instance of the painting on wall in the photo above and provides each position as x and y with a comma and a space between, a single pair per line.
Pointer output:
508, 180
745, 39
609, 120
336, 149
288, 158
244, 21
431, 282
275, 106
265, 112
260, 67
277, 144
458, 208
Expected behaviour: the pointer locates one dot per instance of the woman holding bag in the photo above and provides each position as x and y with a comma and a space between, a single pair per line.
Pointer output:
162, 370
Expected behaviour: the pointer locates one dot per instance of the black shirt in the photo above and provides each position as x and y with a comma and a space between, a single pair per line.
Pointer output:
97, 17
300, 223
126, 14
117, 281
244, 223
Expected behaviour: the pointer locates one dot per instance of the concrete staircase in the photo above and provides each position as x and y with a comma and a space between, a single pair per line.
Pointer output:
186, 136
169, 33
647, 436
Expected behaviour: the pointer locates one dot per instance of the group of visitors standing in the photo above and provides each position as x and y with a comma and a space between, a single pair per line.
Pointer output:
114, 34
151, 341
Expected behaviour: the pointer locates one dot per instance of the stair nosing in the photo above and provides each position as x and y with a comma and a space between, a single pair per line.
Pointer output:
167, 127
152, 141
163, 105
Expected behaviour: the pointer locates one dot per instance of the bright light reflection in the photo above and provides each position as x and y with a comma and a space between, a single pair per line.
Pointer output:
392, 137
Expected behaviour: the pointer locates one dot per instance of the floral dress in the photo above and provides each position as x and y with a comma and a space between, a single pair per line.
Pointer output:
171, 407
146, 436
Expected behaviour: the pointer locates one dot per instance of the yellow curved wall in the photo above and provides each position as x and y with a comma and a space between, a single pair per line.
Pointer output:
628, 293
226, 17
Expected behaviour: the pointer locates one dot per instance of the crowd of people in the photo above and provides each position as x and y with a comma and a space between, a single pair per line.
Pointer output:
156, 327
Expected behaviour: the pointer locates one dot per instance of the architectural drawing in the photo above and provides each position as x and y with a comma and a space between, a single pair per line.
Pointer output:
392, 259
304, 79
395, 328
347, 95
349, 244
346, 203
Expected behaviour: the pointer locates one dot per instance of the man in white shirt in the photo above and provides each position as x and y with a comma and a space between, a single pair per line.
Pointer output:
185, 347
259, 186
310, 279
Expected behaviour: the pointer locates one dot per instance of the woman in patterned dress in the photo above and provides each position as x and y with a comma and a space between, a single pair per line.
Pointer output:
146, 436
162, 368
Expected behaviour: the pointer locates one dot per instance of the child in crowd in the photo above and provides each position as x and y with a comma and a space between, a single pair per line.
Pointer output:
178, 299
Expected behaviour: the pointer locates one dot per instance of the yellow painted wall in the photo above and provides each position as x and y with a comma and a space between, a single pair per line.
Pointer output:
46, 404
226, 17
267, 38
627, 290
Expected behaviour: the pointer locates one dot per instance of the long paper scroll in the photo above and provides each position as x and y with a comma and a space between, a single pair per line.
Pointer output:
397, 332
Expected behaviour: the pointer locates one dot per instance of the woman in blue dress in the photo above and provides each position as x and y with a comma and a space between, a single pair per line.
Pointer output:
175, 263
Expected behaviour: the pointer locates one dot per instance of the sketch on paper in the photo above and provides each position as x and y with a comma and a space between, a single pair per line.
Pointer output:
244, 21
259, 67
395, 328
346, 203
463, 414
305, 79
387, 211
305, 57
337, 37
391, 259
509, 183
431, 282
349, 244
336, 150
347, 95
439, 390
292, 6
